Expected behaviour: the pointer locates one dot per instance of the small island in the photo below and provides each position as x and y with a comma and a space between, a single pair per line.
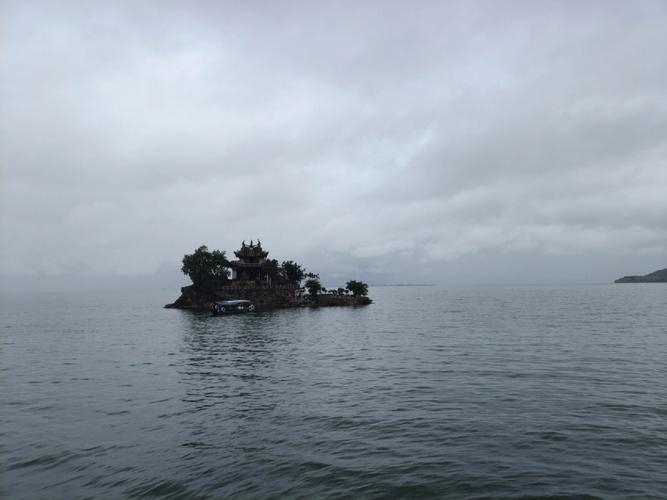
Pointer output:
654, 277
266, 282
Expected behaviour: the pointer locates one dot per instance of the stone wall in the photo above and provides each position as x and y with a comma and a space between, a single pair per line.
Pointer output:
261, 297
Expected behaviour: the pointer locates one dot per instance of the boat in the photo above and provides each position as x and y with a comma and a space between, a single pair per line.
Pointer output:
221, 307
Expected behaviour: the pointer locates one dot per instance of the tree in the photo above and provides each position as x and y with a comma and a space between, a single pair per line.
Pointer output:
274, 271
314, 286
206, 268
293, 272
358, 288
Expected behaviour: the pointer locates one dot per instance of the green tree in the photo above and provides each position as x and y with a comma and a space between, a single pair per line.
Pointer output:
358, 288
292, 271
206, 268
273, 269
314, 286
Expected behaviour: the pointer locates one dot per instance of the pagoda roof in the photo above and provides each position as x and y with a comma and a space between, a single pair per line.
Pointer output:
252, 250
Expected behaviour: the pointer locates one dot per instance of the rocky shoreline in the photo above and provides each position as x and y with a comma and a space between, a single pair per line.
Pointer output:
264, 298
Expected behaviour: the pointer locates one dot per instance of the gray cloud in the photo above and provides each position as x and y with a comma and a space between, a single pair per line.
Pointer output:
396, 142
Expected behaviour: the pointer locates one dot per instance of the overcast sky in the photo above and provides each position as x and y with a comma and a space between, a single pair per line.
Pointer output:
392, 141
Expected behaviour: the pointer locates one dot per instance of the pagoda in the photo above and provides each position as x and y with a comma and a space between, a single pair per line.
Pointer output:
249, 267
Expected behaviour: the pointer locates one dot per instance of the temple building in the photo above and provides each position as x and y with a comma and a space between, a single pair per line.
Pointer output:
248, 267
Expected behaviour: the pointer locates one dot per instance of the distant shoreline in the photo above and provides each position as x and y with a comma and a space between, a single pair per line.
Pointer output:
654, 277
405, 284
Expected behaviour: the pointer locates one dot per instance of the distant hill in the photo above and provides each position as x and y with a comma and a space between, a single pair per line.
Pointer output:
655, 277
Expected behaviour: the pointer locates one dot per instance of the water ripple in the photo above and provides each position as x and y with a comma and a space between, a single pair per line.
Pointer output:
549, 392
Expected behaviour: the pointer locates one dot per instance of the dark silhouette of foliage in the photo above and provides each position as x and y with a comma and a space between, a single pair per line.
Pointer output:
272, 268
358, 288
314, 286
292, 271
206, 268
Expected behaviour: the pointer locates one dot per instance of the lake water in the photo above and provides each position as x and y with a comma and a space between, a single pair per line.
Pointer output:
430, 392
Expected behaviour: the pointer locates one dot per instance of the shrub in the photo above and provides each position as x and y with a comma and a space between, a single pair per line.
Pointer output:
358, 288
314, 286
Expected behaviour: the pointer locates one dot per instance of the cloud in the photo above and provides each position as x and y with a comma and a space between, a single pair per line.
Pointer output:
367, 137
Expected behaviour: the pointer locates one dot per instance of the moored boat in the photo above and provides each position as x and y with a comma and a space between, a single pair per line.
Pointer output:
221, 307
